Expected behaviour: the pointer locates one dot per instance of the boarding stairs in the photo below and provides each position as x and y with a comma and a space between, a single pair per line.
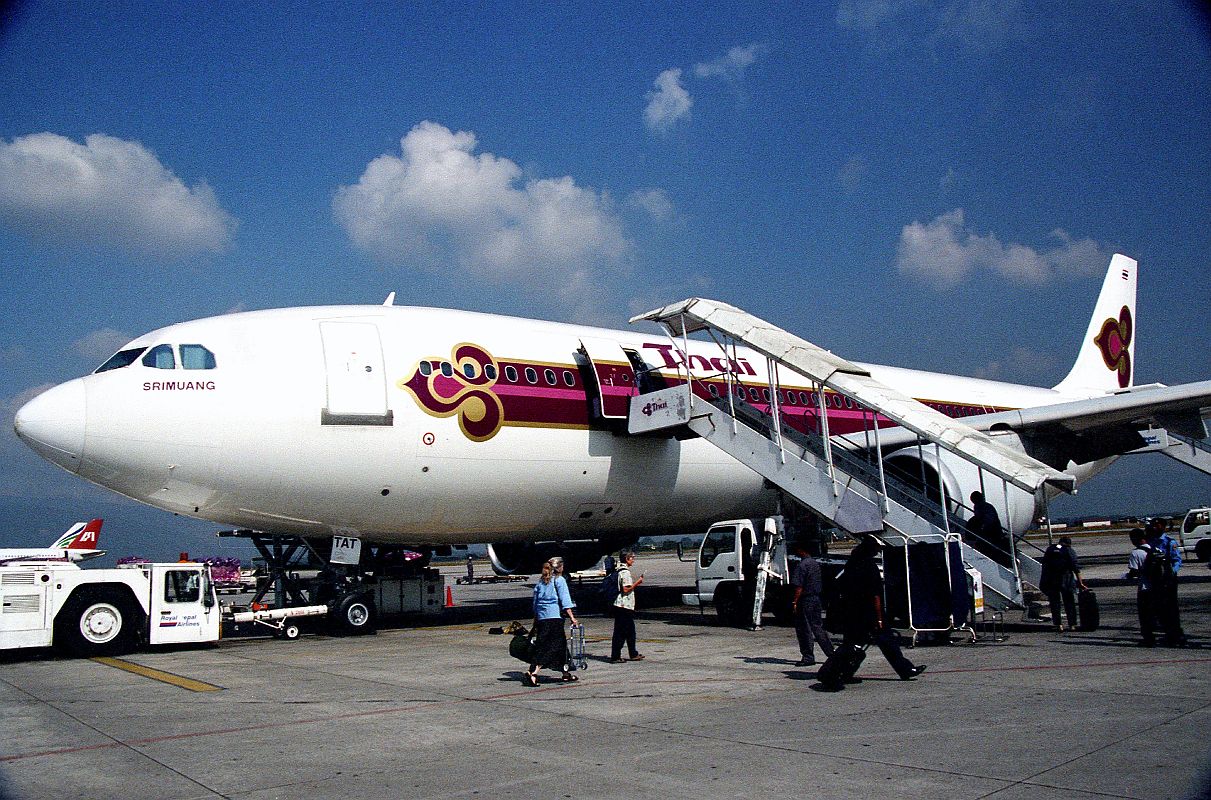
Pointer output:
843, 483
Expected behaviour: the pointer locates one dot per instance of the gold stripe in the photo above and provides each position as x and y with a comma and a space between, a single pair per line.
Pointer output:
565, 425
158, 675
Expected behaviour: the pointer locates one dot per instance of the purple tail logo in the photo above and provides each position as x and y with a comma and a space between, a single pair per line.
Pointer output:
1113, 340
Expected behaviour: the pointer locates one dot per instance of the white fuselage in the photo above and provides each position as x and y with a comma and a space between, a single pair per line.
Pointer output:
319, 420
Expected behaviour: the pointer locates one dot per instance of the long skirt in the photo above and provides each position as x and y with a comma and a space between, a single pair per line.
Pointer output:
551, 646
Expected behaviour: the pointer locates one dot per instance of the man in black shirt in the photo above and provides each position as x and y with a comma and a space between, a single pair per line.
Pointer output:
865, 615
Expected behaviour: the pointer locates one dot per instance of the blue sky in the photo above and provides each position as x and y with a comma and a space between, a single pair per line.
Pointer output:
926, 184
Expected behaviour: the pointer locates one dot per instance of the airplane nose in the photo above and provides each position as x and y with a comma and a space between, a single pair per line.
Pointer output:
52, 424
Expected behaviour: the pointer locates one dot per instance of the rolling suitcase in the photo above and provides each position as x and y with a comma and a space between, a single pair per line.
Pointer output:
841, 666
1088, 616
576, 654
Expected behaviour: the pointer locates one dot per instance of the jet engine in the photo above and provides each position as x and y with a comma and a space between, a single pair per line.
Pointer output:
920, 467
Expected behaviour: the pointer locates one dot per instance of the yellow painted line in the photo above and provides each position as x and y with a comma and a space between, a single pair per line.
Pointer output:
158, 675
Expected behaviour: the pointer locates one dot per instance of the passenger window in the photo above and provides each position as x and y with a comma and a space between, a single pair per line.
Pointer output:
752, 392
717, 542
490, 372
182, 586
195, 356
531, 375
713, 389
511, 374
447, 370
568, 378
469, 369
122, 358
160, 357
550, 376
803, 398
426, 368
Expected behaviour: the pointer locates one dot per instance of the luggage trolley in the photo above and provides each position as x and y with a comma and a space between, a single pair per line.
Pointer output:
576, 654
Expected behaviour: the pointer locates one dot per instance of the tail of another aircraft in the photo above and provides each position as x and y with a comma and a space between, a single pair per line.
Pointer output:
80, 537
1106, 362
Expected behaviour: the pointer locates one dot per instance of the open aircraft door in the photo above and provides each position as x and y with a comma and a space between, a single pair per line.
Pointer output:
615, 376
357, 382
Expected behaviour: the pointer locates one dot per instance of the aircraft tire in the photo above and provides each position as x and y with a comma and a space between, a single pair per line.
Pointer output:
97, 622
290, 632
355, 615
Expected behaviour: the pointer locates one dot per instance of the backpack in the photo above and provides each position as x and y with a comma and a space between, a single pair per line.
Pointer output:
1158, 568
609, 589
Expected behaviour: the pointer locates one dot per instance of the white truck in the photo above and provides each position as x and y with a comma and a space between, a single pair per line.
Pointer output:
1196, 533
97, 612
741, 570
102, 612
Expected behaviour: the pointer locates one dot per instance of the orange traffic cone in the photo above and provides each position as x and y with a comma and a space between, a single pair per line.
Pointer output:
449, 597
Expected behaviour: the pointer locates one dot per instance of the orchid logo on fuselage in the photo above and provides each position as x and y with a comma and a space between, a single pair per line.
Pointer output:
462, 385
1114, 341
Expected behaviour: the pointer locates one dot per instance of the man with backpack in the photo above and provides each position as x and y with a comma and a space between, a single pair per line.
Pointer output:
1160, 570
1061, 575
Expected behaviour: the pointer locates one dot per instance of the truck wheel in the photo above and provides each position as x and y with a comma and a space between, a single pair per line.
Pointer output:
96, 622
290, 632
355, 614
1203, 550
729, 607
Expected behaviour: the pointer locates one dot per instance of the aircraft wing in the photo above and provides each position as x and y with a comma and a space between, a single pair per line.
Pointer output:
1099, 427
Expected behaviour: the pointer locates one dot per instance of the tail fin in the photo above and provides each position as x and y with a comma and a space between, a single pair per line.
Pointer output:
1106, 362
80, 537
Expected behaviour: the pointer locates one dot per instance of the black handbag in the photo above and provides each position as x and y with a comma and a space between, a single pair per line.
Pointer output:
521, 646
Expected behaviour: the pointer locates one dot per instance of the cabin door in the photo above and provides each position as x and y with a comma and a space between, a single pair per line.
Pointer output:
357, 382
614, 374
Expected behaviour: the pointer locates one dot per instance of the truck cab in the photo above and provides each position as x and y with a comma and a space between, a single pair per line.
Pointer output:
728, 563
1196, 533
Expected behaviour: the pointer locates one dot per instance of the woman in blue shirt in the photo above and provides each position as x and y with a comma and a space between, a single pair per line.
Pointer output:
551, 599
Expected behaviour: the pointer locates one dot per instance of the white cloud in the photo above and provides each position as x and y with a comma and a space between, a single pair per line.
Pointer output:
943, 253
100, 344
977, 25
107, 191
853, 173
655, 202
731, 66
867, 15
437, 202
667, 103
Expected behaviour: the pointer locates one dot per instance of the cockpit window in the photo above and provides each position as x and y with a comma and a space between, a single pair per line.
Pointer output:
160, 357
122, 358
195, 356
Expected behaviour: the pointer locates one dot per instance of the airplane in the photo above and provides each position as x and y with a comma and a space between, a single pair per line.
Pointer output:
429, 427
78, 543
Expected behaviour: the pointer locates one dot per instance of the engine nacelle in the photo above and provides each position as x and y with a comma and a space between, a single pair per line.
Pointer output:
526, 558
959, 478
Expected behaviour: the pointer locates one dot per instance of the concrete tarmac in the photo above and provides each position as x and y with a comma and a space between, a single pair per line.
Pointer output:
439, 712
